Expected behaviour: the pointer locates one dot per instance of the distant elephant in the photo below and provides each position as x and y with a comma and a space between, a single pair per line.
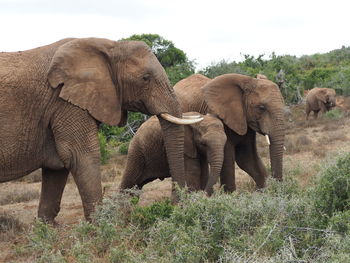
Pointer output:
204, 147
52, 99
320, 99
245, 105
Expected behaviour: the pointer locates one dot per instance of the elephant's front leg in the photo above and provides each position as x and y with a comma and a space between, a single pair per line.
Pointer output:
247, 159
75, 134
86, 174
227, 175
52, 186
193, 173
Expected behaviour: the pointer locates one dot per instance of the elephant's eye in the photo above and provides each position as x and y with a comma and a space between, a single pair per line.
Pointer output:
262, 107
146, 77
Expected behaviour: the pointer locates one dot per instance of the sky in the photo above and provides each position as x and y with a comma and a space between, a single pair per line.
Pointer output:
207, 31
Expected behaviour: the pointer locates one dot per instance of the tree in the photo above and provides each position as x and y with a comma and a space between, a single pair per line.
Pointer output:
174, 60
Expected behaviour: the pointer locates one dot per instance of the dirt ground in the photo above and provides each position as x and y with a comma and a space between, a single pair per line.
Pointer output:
308, 144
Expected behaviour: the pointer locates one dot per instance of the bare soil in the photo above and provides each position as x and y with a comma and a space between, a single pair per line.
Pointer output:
308, 144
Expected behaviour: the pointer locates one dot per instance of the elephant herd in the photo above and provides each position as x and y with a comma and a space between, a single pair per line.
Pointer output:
53, 98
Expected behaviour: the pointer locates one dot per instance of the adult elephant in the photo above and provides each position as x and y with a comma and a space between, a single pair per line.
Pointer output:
320, 99
53, 98
246, 105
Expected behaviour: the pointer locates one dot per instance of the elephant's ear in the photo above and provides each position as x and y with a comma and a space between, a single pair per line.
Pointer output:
190, 148
224, 96
321, 95
83, 69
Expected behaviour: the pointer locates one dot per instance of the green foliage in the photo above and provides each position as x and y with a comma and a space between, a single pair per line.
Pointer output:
103, 148
330, 70
173, 59
124, 147
340, 222
334, 114
332, 193
282, 223
146, 216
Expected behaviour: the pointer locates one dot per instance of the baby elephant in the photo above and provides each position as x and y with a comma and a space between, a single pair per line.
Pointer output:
204, 154
319, 99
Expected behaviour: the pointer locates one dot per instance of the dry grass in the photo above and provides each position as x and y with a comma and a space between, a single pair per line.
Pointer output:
19, 196
320, 151
297, 143
10, 227
34, 177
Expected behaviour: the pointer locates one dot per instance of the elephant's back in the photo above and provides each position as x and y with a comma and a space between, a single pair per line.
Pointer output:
189, 93
23, 67
149, 137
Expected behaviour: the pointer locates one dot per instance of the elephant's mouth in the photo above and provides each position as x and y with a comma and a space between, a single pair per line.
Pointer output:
137, 106
256, 127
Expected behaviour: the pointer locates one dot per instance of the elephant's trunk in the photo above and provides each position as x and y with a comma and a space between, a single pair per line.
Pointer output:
276, 149
215, 160
173, 135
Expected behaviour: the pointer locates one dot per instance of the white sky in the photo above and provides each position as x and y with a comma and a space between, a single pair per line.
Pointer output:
207, 31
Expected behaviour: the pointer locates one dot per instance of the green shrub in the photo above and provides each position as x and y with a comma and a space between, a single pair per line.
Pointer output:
124, 147
146, 216
332, 191
103, 148
340, 222
334, 114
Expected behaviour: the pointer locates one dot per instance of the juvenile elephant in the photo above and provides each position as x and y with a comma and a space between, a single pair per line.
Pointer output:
204, 147
320, 99
245, 105
52, 99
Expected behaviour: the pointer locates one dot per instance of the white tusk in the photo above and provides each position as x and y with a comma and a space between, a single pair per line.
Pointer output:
284, 147
191, 116
267, 139
176, 120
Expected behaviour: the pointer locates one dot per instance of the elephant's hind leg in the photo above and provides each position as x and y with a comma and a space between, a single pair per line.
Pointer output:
52, 186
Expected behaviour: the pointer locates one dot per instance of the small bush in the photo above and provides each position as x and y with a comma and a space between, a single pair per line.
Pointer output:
103, 148
9, 227
332, 192
124, 147
334, 114
147, 216
340, 222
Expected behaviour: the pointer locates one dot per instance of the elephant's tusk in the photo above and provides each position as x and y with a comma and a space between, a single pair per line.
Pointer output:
284, 147
176, 120
190, 117
267, 139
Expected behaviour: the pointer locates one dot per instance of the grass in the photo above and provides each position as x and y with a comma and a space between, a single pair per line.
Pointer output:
281, 223
10, 227
295, 144
334, 114
19, 196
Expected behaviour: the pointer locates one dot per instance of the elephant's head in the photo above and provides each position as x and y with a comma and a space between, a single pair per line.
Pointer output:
209, 139
107, 78
327, 96
242, 102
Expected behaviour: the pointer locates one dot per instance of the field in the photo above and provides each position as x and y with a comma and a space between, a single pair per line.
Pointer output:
310, 146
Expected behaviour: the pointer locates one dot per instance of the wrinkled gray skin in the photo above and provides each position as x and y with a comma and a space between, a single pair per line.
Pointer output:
52, 99
320, 99
246, 106
204, 144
